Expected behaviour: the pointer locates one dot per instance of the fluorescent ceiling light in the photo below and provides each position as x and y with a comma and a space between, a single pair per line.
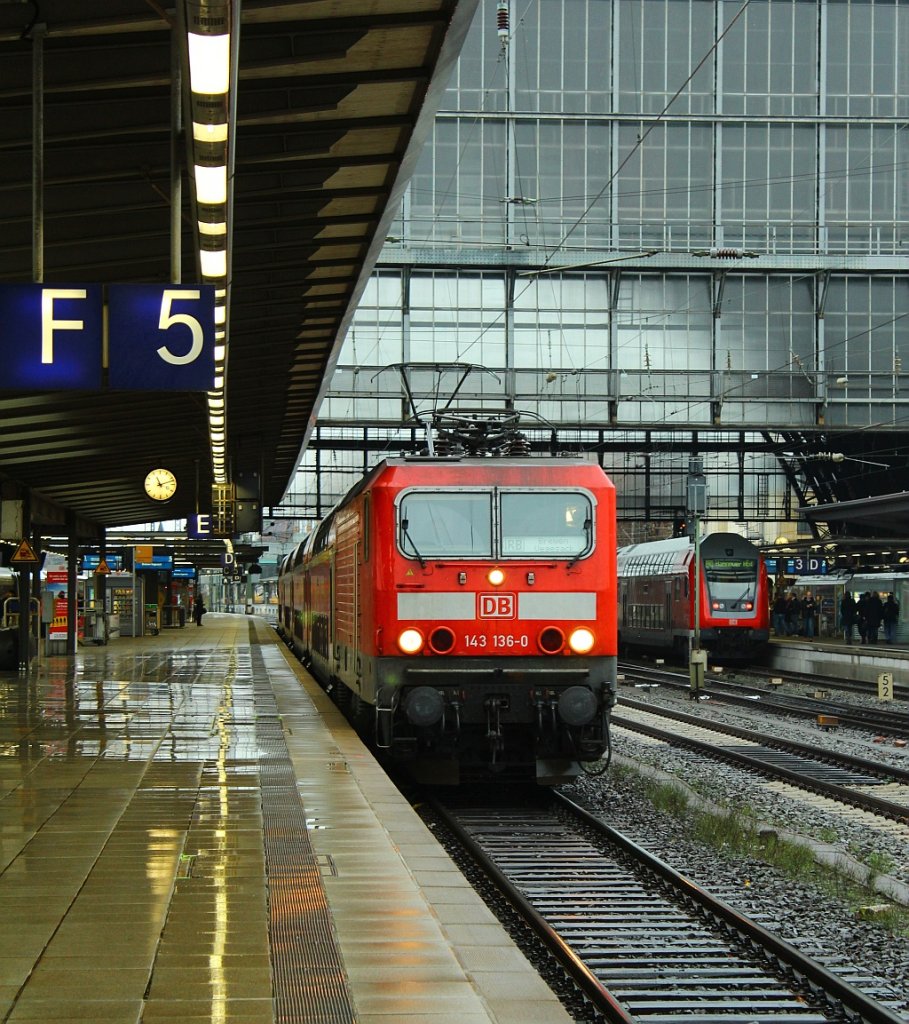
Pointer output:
213, 264
209, 64
220, 353
211, 184
220, 315
209, 132
212, 229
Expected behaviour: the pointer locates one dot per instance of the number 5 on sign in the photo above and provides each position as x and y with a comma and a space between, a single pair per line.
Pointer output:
161, 338
168, 319
885, 686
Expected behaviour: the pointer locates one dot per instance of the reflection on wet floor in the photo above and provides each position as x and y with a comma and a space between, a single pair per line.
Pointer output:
191, 832
132, 876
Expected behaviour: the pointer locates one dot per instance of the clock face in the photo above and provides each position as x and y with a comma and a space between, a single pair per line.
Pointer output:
160, 484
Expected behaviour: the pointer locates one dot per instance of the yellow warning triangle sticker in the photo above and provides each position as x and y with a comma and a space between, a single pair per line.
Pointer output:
103, 568
24, 553
409, 572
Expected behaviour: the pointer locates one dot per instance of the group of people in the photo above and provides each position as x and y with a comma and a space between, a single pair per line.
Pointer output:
868, 614
797, 616
793, 615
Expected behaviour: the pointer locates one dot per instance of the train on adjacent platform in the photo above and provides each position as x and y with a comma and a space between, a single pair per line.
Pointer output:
462, 612
656, 598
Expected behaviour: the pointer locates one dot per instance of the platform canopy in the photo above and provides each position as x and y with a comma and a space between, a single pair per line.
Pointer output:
884, 515
332, 104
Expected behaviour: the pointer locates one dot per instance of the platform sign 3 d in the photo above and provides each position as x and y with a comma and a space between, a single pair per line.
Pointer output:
159, 337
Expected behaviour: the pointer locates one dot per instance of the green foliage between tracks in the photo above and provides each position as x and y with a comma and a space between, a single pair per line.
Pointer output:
737, 834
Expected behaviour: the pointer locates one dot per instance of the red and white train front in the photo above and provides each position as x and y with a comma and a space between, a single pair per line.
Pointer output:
471, 614
657, 585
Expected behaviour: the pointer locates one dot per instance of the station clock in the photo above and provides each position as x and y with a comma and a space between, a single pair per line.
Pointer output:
160, 484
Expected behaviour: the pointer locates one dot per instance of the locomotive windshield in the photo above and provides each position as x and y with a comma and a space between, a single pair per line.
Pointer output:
537, 524
547, 524
446, 523
732, 582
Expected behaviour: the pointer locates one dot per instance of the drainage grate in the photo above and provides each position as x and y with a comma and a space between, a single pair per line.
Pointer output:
310, 986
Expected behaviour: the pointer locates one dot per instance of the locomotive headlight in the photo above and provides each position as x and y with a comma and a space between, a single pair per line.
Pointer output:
410, 641
496, 577
581, 640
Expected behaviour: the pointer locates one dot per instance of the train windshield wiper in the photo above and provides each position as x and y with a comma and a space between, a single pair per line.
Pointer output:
588, 525
405, 533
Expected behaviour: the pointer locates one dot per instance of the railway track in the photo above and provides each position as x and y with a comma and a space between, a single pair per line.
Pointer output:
868, 786
641, 941
744, 693
835, 683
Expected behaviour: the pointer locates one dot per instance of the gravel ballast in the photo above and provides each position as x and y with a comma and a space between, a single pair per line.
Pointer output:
816, 920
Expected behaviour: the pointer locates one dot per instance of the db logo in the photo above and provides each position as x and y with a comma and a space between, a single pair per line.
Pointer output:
496, 606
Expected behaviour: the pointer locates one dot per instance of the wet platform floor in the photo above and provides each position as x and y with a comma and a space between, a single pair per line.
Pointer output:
190, 831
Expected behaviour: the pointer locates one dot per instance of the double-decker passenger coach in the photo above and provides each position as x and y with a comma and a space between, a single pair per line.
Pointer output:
462, 611
657, 586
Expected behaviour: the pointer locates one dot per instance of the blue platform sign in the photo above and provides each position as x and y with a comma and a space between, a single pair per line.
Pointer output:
161, 338
50, 336
798, 566
157, 562
91, 562
199, 526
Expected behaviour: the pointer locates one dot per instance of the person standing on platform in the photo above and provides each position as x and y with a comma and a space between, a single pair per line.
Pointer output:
198, 610
847, 615
793, 615
861, 617
809, 616
778, 613
891, 617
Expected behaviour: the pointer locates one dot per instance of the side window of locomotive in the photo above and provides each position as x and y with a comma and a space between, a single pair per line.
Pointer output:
445, 524
548, 524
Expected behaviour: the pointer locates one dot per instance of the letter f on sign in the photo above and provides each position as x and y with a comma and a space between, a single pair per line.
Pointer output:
49, 324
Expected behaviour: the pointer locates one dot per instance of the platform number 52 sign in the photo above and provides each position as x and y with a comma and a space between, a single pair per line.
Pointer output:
885, 686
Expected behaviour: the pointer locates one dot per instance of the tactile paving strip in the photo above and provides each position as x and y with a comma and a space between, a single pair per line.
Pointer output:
310, 986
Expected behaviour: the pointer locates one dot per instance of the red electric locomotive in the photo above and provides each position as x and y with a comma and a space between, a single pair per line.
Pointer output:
462, 612
656, 596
